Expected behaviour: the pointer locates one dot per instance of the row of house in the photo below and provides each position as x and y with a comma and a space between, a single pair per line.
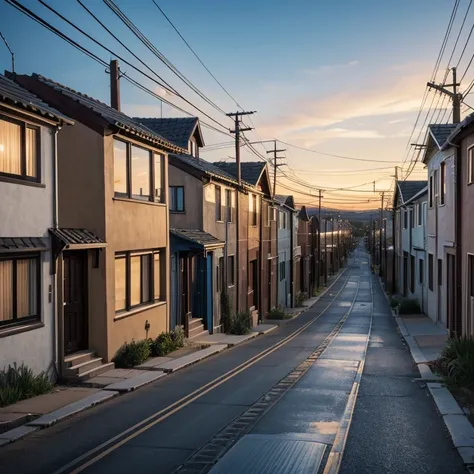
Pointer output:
114, 229
434, 249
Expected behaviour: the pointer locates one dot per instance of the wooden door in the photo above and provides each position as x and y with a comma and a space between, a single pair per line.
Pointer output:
75, 316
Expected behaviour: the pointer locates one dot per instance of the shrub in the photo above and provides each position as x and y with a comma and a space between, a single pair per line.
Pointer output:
226, 311
301, 297
178, 336
394, 302
457, 361
409, 306
19, 383
276, 313
168, 342
132, 353
241, 323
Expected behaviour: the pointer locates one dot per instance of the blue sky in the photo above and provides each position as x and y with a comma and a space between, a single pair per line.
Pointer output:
344, 77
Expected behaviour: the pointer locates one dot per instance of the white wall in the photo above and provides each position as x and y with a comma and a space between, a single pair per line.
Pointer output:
27, 211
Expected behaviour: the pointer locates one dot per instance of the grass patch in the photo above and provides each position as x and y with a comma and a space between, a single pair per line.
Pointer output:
20, 383
241, 323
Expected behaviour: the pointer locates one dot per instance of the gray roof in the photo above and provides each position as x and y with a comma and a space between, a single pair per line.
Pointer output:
22, 244
176, 130
441, 131
16, 95
457, 131
285, 200
250, 170
408, 189
199, 237
109, 114
77, 237
200, 165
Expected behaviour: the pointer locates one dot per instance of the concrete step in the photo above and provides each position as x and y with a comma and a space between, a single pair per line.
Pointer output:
79, 357
96, 371
195, 330
198, 334
85, 366
195, 322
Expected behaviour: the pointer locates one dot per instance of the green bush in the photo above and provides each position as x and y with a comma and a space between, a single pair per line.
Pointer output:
178, 336
19, 383
132, 353
241, 323
276, 313
394, 302
226, 311
457, 361
409, 306
168, 342
301, 297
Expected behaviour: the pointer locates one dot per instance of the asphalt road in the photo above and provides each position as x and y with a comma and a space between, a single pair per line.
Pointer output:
395, 427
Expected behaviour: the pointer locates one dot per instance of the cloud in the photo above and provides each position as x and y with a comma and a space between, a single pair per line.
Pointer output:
393, 122
331, 67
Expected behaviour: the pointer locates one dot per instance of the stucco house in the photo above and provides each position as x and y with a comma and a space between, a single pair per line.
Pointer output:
111, 247
441, 224
28, 209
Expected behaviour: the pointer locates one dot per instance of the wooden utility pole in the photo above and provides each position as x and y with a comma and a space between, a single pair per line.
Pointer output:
237, 130
276, 165
454, 95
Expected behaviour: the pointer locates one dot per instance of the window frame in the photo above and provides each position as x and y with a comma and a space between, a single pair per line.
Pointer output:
218, 192
16, 321
151, 272
431, 272
405, 218
421, 264
440, 272
228, 205
253, 210
24, 125
442, 183
470, 165
171, 190
152, 172
412, 273
431, 192
230, 270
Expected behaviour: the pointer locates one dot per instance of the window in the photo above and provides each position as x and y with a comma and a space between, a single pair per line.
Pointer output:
424, 207
282, 223
218, 204
253, 280
419, 213
135, 173
421, 266
412, 218
138, 279
192, 148
176, 199
282, 270
228, 205
440, 272
268, 214
253, 209
412, 273
430, 271
19, 150
470, 165
405, 218
220, 274
431, 191
19, 290
230, 270
442, 182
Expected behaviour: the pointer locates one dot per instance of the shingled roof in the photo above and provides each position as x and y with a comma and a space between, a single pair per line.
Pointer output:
250, 171
200, 165
409, 189
199, 237
441, 131
176, 130
456, 133
11, 92
285, 200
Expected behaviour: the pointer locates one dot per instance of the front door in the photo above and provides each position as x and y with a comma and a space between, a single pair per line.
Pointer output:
75, 317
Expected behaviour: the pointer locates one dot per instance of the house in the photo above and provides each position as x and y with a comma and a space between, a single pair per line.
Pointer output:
410, 204
305, 269
111, 246
461, 140
28, 151
256, 254
441, 224
286, 235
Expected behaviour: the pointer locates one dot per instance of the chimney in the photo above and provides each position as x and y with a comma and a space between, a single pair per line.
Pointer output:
114, 85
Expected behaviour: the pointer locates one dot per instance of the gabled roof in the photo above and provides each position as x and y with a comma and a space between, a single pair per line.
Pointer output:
199, 237
250, 171
110, 117
456, 133
177, 130
303, 214
13, 94
408, 189
440, 132
285, 200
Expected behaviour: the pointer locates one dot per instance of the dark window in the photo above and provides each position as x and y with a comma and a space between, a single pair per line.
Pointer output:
20, 289
405, 218
412, 273
137, 171
282, 271
442, 182
176, 198
419, 213
19, 150
230, 270
220, 274
253, 209
421, 266
412, 218
440, 272
228, 205
430, 271
431, 191
139, 279
470, 165
218, 204
253, 280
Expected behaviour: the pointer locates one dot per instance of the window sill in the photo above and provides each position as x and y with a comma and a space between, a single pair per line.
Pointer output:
23, 182
21, 327
139, 309
177, 212
139, 201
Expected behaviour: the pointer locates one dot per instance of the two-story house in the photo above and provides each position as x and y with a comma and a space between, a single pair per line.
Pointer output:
112, 243
28, 190
441, 222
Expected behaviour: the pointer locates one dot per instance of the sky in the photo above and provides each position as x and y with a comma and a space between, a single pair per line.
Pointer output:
343, 77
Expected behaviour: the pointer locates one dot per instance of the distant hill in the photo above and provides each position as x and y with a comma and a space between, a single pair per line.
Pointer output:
349, 215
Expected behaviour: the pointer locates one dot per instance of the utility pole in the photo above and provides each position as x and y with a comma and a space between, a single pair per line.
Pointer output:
332, 246
236, 116
380, 234
319, 238
325, 252
10, 51
276, 165
454, 95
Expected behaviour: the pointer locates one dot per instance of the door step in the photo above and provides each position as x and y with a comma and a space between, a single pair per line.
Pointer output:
84, 365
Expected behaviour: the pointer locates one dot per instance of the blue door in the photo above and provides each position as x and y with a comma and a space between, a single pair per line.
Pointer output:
209, 294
